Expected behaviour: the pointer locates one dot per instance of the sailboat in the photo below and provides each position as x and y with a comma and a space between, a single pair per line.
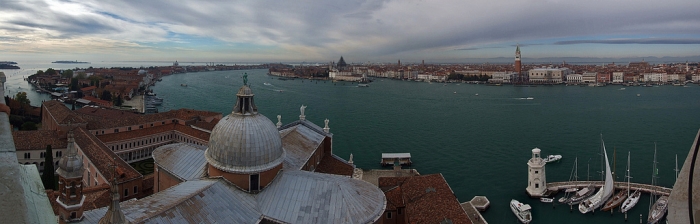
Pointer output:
572, 177
658, 210
583, 193
633, 198
619, 197
605, 192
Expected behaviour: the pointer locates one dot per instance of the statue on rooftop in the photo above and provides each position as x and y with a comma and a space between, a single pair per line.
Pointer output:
302, 108
245, 79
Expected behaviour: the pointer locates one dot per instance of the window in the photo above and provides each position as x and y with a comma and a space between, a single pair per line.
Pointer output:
59, 153
163, 122
398, 210
73, 215
136, 189
151, 125
41, 155
128, 128
388, 215
116, 130
103, 132
27, 155
126, 192
140, 126
537, 185
536, 171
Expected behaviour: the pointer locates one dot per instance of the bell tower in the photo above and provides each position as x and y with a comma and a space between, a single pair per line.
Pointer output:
537, 183
518, 66
70, 184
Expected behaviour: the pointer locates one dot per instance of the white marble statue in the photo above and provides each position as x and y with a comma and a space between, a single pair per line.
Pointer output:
302, 108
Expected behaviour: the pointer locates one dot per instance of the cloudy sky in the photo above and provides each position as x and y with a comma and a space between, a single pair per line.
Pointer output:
361, 31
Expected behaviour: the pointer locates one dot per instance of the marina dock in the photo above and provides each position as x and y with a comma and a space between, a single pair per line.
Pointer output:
554, 187
389, 159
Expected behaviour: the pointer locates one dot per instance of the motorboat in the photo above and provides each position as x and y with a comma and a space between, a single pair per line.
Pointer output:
522, 211
267, 84
581, 195
658, 210
530, 98
552, 158
183, 85
546, 200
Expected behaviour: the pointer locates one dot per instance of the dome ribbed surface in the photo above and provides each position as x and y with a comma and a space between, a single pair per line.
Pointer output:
245, 141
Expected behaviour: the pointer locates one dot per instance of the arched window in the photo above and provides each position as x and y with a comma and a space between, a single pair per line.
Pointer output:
72, 189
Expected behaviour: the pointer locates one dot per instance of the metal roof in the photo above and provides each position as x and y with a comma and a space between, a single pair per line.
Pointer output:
306, 197
245, 144
293, 197
39, 209
197, 201
299, 143
395, 155
83, 101
185, 161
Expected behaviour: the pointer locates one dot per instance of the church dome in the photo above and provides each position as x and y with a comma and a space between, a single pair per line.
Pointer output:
70, 166
245, 141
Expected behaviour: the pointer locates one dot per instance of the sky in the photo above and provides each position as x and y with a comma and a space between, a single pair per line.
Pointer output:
360, 31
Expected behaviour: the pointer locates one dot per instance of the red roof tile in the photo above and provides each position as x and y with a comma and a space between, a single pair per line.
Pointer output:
39, 139
102, 157
428, 198
332, 165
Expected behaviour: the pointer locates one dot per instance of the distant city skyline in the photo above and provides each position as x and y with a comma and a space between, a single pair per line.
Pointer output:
360, 31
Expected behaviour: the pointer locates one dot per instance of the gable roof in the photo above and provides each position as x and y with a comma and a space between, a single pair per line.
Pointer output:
38, 139
427, 198
102, 157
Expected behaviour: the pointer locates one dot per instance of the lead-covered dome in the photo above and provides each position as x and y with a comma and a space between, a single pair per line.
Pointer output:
245, 141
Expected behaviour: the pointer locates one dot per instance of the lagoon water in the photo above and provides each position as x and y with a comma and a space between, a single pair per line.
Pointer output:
480, 144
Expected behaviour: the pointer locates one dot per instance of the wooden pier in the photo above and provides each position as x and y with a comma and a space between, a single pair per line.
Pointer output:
555, 187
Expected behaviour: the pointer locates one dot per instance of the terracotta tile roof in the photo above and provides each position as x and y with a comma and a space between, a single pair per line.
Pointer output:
193, 132
394, 198
88, 88
33, 140
205, 125
109, 118
152, 131
98, 101
428, 198
331, 164
95, 197
102, 157
61, 113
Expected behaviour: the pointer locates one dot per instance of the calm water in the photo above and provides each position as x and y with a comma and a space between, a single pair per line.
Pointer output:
481, 144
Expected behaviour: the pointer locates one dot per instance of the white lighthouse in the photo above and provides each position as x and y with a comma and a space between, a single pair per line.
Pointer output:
537, 183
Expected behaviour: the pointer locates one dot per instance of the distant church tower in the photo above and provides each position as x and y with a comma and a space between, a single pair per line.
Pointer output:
537, 183
518, 66
70, 184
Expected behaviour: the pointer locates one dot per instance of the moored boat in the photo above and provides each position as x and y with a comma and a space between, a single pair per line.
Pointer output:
552, 158
658, 210
581, 195
522, 211
546, 200
615, 201
594, 202
633, 198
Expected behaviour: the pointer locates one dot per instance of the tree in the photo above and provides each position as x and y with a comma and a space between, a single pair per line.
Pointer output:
50, 71
106, 95
74, 84
48, 176
118, 101
67, 74
21, 97
28, 126
40, 72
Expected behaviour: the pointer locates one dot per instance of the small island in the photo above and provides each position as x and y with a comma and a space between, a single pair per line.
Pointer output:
71, 62
8, 65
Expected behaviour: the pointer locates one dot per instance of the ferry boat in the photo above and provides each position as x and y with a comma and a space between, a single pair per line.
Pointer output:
552, 158
522, 211
364, 81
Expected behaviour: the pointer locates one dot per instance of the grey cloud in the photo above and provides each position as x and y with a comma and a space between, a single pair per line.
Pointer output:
631, 41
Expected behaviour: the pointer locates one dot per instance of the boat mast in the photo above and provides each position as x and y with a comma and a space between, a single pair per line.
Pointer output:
628, 174
676, 167
652, 197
